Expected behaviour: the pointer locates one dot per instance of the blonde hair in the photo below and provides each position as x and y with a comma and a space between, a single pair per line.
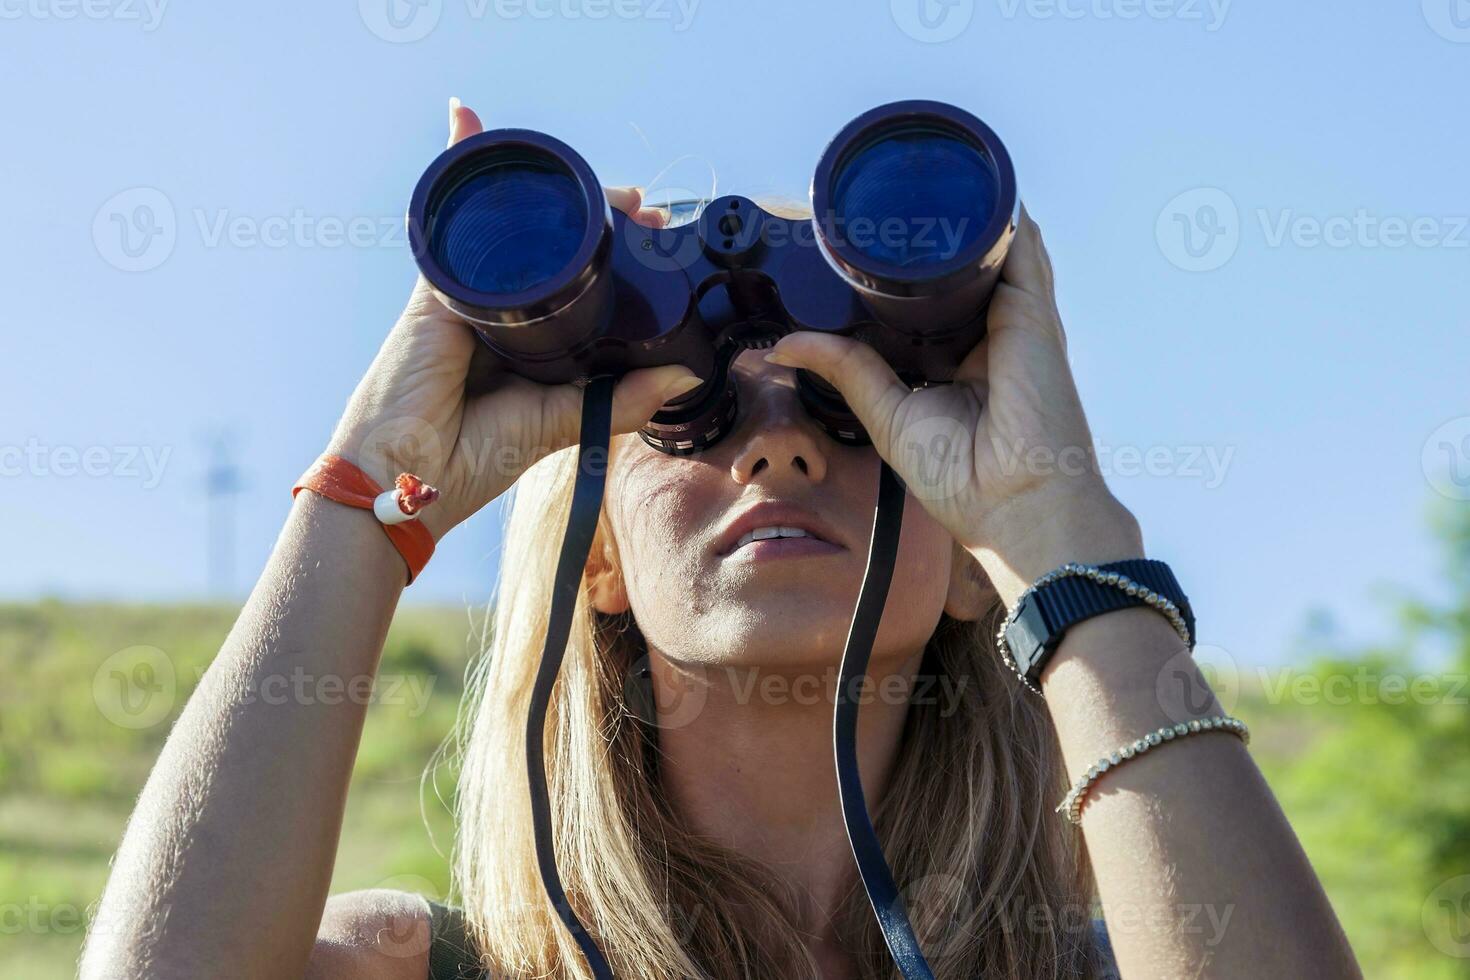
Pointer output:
995, 883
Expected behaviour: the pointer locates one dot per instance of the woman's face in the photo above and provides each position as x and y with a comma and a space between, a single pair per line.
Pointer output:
703, 592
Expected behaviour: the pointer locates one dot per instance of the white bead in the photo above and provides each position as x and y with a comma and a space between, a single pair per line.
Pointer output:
386, 509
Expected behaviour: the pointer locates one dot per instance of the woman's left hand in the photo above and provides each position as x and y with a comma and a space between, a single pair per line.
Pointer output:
1003, 457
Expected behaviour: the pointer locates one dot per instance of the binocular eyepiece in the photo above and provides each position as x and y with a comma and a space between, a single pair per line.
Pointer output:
914, 206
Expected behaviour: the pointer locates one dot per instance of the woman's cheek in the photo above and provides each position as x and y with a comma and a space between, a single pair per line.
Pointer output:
656, 526
921, 572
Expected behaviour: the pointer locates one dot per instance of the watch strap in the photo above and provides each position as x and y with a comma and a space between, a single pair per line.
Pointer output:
1047, 610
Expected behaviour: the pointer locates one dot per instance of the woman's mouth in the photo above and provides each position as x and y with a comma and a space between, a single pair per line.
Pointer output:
780, 541
771, 529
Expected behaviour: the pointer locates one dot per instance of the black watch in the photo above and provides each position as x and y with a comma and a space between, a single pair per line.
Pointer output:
1060, 599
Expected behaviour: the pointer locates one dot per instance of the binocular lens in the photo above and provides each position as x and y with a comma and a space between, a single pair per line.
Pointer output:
509, 223
915, 195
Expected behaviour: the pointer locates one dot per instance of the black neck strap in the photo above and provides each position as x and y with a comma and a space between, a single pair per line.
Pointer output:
883, 893
587, 494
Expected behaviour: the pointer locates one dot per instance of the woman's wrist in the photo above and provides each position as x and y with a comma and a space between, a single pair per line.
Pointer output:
324, 535
385, 451
1050, 526
375, 448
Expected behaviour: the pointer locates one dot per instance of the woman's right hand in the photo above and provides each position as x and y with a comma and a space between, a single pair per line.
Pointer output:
410, 413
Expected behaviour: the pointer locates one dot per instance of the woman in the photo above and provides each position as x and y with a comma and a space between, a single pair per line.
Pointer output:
690, 755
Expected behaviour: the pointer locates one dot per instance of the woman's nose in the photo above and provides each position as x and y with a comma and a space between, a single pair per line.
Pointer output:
782, 445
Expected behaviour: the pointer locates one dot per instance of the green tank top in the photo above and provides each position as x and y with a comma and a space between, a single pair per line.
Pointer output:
450, 956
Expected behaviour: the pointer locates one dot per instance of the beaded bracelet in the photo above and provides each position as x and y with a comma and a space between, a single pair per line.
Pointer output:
1071, 807
1115, 580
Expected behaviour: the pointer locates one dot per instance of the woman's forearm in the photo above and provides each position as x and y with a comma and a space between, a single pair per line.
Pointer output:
228, 855
1199, 873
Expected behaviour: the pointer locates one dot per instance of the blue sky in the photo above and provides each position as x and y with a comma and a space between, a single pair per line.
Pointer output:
1257, 213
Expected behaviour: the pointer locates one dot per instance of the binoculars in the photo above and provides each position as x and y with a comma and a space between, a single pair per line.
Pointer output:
914, 206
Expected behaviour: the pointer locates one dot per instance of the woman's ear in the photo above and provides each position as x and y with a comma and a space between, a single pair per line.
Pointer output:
970, 592
605, 575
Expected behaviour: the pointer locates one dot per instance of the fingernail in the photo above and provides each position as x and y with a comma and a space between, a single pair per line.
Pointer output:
682, 387
777, 357
454, 104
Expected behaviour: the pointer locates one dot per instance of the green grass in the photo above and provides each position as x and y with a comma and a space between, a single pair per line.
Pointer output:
1379, 795
69, 774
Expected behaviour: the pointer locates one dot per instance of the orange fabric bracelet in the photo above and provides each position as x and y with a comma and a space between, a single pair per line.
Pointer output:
336, 479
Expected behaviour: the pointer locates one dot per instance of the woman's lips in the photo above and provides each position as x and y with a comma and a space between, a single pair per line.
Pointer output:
777, 529
769, 549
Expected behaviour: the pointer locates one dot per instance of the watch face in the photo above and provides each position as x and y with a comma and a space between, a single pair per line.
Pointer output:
1027, 635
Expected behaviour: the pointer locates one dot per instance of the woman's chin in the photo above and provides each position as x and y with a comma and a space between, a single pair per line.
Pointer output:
800, 626
791, 632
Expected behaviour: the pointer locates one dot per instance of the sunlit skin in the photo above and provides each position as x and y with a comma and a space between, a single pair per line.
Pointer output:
234, 837
784, 605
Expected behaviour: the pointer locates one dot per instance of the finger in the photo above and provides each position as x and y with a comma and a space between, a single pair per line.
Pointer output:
1027, 265
974, 368
636, 397
1039, 242
463, 123
652, 217
640, 394
625, 199
555, 423
855, 369
1014, 309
